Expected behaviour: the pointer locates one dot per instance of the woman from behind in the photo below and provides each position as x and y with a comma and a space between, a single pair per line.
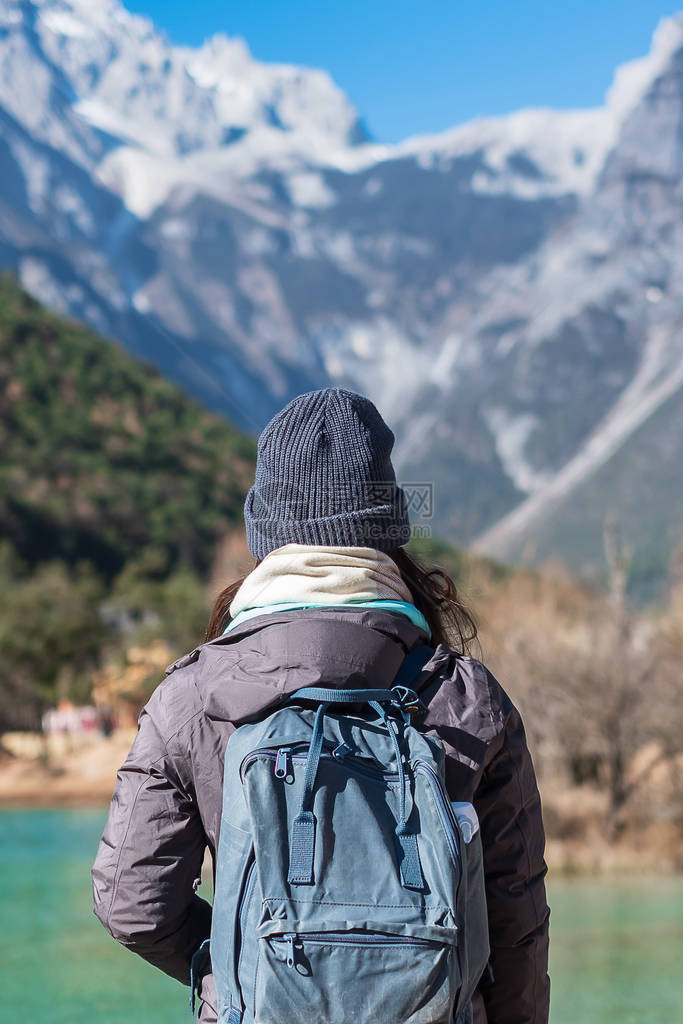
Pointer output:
333, 597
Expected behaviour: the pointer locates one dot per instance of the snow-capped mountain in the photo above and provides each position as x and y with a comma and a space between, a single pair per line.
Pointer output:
509, 291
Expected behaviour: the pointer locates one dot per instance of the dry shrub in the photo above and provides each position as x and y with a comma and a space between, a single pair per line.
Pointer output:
599, 687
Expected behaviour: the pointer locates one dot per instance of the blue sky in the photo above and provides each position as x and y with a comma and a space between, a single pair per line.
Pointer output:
423, 65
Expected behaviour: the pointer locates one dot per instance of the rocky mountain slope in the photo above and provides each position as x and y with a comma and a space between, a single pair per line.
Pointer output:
508, 291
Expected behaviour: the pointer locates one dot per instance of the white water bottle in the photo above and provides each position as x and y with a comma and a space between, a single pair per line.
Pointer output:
467, 819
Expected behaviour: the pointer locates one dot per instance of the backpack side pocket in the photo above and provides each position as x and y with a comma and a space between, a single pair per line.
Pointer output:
235, 858
471, 906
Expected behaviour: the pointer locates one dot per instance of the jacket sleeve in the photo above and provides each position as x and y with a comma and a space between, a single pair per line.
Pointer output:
149, 860
517, 989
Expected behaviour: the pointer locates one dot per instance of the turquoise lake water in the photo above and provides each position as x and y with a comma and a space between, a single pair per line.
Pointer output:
617, 947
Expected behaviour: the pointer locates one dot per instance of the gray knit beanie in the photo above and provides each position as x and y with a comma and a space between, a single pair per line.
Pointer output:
324, 476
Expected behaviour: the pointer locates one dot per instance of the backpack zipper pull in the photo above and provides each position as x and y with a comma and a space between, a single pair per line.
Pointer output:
291, 939
281, 763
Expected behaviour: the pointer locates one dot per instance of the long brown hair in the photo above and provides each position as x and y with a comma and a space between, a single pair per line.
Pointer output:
220, 613
433, 592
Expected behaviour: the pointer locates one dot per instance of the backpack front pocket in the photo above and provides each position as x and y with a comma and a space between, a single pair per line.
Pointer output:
354, 978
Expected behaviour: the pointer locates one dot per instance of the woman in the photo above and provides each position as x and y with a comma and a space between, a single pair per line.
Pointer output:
333, 594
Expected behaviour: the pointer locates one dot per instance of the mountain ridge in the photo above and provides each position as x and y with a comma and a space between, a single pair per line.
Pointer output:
230, 221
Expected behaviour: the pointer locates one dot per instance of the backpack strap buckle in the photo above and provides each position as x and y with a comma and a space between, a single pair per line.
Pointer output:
408, 700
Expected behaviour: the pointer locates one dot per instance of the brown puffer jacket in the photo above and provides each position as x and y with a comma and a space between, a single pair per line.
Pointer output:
166, 807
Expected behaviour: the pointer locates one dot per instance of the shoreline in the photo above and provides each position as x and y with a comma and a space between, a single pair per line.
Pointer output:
38, 772
62, 775
62, 802
566, 859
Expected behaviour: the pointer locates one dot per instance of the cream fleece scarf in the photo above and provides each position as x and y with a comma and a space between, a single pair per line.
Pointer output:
317, 574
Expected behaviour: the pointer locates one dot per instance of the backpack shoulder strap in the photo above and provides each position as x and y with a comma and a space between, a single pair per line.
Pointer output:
412, 665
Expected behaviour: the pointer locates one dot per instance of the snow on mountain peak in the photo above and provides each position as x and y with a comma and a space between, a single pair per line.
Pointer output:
208, 63
541, 151
632, 80
529, 152
131, 82
179, 115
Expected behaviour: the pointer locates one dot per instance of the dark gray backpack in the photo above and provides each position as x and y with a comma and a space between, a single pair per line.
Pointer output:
348, 888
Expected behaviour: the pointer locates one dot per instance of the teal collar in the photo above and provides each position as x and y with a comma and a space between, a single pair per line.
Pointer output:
404, 607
